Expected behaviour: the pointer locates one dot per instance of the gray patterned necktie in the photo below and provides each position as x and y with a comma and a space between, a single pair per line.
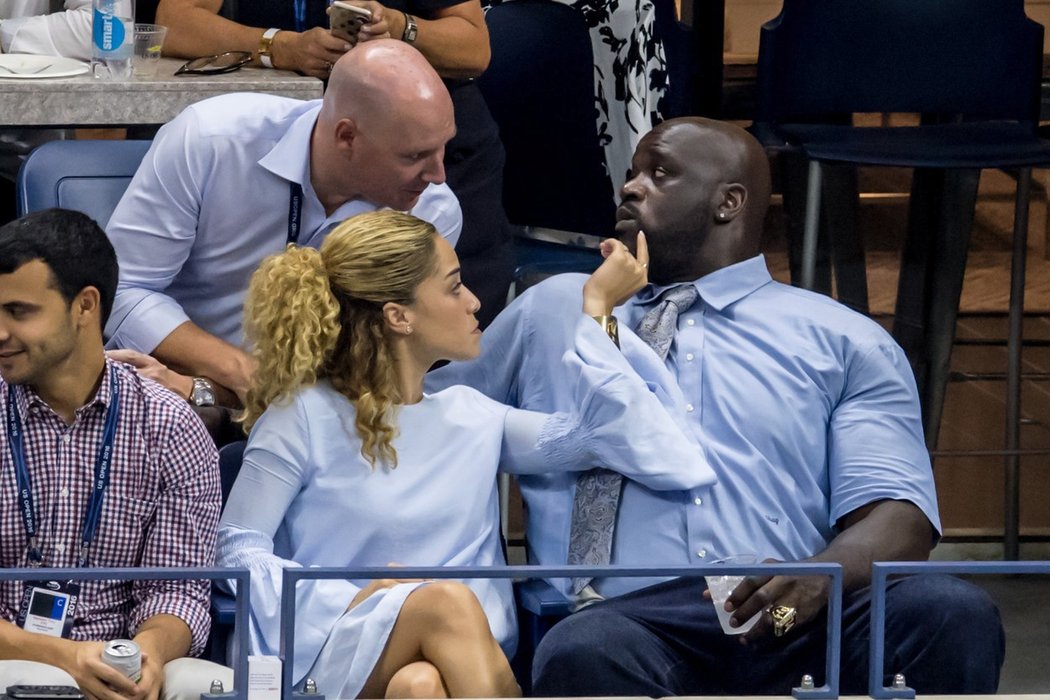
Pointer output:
598, 490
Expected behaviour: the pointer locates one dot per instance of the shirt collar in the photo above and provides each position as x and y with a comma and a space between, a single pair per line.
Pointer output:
720, 288
27, 398
290, 157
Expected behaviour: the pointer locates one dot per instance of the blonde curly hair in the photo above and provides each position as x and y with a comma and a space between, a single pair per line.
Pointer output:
318, 314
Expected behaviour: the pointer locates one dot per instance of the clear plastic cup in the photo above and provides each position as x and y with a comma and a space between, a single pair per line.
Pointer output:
722, 586
149, 39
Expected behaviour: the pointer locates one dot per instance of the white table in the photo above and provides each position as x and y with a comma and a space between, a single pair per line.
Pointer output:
83, 101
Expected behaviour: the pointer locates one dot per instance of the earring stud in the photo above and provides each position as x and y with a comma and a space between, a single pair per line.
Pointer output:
408, 330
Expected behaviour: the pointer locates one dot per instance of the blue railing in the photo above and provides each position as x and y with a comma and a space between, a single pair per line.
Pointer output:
240, 668
830, 689
880, 573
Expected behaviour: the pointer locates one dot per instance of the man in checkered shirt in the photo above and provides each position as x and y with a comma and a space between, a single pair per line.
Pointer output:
160, 507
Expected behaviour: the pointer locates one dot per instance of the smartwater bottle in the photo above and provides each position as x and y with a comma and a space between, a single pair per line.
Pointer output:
112, 38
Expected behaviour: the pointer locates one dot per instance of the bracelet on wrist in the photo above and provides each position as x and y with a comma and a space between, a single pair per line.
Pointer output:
611, 327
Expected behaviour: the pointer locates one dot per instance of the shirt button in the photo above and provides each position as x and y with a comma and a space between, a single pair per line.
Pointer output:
67, 438
690, 322
702, 553
697, 501
689, 407
60, 548
689, 356
65, 492
34, 410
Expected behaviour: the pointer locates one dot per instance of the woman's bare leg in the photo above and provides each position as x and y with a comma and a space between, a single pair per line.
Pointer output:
420, 679
444, 624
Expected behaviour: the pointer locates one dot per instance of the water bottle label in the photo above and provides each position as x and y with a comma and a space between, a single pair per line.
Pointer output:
108, 31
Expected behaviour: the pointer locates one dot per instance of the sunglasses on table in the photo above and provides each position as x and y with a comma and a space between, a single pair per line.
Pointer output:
213, 65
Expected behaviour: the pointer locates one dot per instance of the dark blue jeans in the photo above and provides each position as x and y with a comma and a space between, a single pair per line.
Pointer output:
942, 633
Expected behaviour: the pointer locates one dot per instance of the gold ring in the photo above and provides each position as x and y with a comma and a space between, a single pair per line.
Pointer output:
783, 619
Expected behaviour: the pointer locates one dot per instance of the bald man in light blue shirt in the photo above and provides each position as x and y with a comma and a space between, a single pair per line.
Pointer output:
808, 414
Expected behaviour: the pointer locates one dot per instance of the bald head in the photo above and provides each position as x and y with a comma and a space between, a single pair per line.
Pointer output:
383, 79
700, 190
380, 136
734, 156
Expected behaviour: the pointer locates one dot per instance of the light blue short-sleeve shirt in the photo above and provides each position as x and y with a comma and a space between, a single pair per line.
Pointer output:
805, 411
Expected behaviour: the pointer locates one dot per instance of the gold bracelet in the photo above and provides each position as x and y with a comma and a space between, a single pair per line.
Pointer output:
610, 326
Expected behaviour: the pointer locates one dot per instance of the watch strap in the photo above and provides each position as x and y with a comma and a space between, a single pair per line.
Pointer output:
411, 28
266, 47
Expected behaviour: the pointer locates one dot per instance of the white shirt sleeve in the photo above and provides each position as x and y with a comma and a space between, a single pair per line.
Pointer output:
60, 34
439, 206
153, 229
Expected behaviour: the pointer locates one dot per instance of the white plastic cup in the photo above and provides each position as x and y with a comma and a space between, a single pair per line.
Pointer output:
722, 586
149, 38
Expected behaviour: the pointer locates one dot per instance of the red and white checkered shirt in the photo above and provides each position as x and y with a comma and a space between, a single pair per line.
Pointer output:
161, 508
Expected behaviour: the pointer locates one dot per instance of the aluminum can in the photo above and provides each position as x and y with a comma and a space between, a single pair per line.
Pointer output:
125, 656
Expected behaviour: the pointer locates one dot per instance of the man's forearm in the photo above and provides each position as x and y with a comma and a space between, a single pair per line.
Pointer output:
164, 637
17, 644
881, 531
192, 351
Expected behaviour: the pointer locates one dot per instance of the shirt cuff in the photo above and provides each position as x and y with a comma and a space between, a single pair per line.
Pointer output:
142, 319
189, 603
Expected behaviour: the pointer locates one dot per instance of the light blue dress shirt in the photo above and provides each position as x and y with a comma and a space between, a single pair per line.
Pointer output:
210, 202
804, 409
306, 497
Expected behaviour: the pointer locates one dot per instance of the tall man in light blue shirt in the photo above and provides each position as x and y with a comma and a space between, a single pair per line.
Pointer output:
808, 414
236, 178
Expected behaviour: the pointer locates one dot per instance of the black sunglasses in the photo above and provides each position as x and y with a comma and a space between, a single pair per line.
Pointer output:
212, 65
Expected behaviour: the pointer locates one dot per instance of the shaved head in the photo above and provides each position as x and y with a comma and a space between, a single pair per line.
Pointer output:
381, 133
383, 78
700, 190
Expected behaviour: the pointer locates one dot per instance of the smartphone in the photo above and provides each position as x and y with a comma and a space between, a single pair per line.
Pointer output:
345, 19
44, 692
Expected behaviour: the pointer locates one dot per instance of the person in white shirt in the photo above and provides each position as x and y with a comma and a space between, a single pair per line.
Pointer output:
46, 27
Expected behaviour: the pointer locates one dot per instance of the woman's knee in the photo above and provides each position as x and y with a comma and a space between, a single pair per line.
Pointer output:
445, 605
420, 679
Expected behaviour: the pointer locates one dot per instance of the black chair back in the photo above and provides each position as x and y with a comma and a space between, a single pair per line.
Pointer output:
975, 58
539, 87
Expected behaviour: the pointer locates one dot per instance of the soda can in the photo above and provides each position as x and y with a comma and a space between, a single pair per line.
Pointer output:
125, 656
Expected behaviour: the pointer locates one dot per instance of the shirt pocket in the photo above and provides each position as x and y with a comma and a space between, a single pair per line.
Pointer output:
122, 531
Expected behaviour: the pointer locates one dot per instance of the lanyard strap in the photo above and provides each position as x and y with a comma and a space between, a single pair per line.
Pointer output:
300, 15
295, 212
103, 462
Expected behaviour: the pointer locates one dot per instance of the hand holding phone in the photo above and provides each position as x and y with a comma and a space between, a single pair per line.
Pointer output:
345, 20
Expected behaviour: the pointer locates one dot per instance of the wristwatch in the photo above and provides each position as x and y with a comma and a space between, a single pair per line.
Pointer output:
266, 46
411, 29
203, 393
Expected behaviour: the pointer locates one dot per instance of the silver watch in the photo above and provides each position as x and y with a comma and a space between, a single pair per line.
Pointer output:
203, 393
411, 28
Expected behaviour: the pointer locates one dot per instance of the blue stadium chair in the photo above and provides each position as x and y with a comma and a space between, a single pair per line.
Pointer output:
87, 176
972, 68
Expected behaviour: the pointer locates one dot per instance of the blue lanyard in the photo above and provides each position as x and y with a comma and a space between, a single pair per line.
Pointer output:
300, 15
103, 462
295, 212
